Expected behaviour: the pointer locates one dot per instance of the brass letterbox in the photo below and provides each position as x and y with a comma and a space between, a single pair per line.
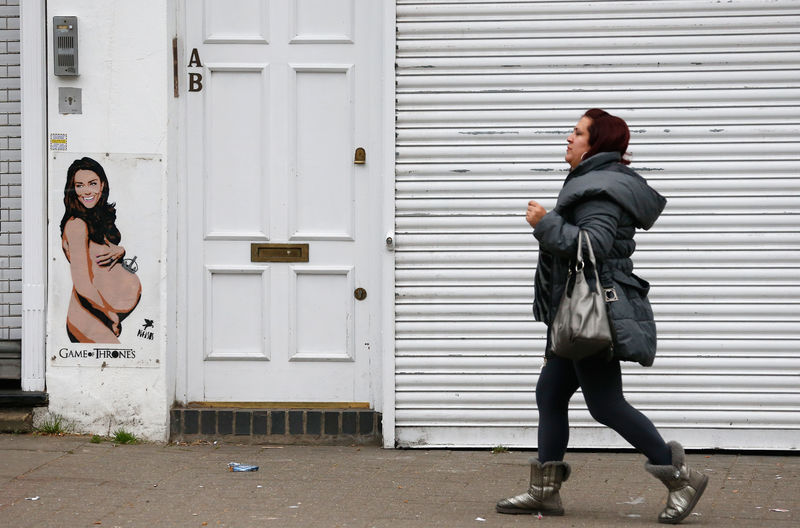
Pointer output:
278, 252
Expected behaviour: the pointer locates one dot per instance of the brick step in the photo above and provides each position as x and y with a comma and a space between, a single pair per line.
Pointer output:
16, 420
276, 426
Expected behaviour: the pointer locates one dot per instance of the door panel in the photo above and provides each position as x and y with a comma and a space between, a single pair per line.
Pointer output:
323, 163
323, 21
241, 333
272, 130
226, 22
322, 306
237, 140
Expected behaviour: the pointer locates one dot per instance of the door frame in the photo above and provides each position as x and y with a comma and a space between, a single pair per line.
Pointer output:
382, 212
387, 216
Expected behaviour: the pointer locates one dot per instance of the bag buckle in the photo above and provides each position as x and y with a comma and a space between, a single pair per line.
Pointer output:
611, 294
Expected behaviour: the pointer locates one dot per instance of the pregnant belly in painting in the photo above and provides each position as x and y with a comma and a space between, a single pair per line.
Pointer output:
119, 287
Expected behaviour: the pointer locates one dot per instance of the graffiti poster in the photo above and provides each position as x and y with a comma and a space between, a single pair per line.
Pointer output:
105, 260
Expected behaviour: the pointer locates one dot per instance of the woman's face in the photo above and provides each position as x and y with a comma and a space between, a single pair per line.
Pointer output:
578, 142
88, 187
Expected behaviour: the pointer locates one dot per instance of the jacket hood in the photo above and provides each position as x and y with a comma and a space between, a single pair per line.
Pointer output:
603, 175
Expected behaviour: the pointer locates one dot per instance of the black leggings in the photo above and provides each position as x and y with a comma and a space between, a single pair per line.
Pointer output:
601, 383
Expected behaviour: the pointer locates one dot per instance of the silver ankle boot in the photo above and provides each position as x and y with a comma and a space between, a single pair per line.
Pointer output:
685, 485
542, 495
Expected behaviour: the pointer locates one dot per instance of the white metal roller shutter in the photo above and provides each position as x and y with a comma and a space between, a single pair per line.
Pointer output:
486, 94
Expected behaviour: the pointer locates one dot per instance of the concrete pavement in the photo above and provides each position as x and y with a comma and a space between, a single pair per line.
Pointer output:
70, 482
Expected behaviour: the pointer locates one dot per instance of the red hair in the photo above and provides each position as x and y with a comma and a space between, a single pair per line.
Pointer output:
607, 133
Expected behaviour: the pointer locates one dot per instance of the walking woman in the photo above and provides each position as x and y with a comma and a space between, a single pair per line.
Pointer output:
608, 201
104, 290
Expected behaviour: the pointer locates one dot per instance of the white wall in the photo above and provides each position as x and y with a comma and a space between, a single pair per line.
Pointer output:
125, 64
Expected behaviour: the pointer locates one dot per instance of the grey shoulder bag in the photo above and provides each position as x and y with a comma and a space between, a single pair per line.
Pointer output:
581, 327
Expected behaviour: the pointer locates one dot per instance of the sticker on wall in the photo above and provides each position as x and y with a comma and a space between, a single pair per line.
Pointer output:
105, 261
58, 142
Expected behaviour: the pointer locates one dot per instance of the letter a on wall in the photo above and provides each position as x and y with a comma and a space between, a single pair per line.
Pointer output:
194, 60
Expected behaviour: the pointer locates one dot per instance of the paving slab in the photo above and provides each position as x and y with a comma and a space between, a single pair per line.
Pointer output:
69, 481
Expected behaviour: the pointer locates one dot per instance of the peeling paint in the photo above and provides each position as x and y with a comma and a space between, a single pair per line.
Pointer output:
488, 132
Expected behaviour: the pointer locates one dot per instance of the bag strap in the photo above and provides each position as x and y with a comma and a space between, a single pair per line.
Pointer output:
591, 250
579, 259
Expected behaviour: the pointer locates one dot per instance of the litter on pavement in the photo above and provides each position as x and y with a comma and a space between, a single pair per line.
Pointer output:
235, 466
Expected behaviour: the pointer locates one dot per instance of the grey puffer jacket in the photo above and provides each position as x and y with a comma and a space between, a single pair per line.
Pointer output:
609, 201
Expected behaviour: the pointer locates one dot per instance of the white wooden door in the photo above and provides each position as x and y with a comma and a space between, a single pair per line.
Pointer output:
279, 95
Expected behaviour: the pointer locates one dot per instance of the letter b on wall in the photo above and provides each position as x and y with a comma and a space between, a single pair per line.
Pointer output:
195, 82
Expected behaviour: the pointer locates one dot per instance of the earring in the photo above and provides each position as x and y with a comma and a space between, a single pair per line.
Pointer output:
583, 156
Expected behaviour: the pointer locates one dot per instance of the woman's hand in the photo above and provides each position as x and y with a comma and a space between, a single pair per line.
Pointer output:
534, 213
110, 256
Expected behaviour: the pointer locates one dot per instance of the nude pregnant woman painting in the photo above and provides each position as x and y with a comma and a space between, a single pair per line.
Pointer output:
105, 290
